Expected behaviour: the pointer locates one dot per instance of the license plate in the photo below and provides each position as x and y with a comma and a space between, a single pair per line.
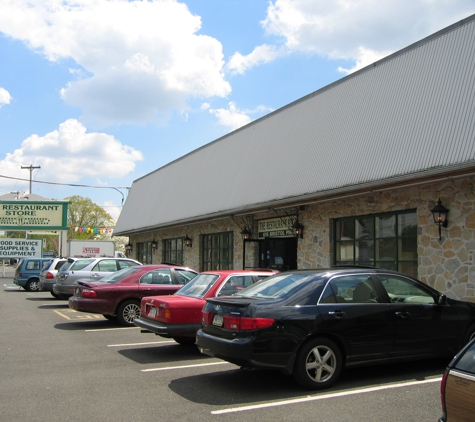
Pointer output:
153, 312
218, 320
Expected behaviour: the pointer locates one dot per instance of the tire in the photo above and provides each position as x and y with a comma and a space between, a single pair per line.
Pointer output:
318, 364
32, 285
185, 341
110, 317
127, 312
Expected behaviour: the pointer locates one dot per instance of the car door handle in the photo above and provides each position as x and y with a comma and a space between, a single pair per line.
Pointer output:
403, 315
337, 314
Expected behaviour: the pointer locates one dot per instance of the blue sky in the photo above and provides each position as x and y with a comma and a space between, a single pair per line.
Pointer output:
100, 93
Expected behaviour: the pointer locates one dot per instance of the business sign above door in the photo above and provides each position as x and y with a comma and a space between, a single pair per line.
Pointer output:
33, 215
276, 227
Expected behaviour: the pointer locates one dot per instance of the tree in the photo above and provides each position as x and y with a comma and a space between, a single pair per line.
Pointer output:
84, 213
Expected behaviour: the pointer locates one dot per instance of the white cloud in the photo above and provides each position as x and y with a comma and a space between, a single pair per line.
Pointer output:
260, 55
138, 58
5, 97
112, 210
233, 118
70, 153
359, 30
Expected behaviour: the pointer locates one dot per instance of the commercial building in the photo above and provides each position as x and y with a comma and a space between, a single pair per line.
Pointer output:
349, 174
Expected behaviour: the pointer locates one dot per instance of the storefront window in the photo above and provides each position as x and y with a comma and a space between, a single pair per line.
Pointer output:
173, 250
144, 252
217, 251
384, 240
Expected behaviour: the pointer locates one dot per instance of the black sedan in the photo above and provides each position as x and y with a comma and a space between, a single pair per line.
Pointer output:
313, 323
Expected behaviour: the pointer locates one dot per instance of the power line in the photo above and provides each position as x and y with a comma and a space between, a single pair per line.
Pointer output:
71, 184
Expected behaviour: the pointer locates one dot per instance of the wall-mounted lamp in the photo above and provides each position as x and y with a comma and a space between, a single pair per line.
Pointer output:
188, 242
439, 212
297, 228
246, 234
154, 245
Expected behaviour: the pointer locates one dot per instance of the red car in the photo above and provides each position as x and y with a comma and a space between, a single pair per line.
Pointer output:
118, 295
179, 316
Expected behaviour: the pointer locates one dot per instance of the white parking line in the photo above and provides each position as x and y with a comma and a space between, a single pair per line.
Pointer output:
185, 366
140, 344
324, 396
98, 330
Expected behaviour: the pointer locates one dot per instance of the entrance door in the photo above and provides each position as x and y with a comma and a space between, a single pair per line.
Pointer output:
278, 253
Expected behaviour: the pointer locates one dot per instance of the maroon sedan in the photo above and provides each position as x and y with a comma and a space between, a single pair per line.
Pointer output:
179, 316
118, 295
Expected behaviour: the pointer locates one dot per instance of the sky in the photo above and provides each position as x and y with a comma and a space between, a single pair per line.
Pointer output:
98, 93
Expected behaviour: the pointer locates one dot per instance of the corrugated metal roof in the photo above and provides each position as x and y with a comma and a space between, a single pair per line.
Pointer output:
409, 114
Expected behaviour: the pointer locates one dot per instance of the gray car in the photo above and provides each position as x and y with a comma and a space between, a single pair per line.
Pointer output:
48, 274
86, 269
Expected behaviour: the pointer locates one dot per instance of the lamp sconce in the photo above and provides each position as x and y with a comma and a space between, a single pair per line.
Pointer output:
297, 228
439, 212
154, 245
246, 234
188, 241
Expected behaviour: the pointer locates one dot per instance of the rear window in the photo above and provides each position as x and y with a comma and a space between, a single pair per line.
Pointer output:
81, 264
467, 361
118, 275
59, 264
199, 286
277, 287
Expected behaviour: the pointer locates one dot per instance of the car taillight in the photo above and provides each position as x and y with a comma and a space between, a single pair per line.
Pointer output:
206, 317
49, 276
88, 293
245, 323
20, 275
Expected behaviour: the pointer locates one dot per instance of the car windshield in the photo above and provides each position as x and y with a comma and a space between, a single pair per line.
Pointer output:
277, 287
118, 275
199, 286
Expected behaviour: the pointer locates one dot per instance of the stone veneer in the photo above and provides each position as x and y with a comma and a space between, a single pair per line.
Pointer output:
447, 265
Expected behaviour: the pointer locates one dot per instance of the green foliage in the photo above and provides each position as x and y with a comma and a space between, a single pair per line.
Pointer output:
82, 212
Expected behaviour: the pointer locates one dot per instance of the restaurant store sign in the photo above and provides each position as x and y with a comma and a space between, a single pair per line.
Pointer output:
276, 227
21, 248
33, 215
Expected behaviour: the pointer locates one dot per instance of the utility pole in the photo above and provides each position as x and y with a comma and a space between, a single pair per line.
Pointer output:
31, 167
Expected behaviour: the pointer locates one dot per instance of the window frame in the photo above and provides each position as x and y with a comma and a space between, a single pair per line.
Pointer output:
217, 251
173, 247
399, 239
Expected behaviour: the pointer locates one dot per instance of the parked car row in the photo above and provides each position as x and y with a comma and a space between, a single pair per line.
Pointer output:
310, 324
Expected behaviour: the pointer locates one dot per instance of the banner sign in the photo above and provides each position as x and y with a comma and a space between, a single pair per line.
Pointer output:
21, 248
33, 215
276, 227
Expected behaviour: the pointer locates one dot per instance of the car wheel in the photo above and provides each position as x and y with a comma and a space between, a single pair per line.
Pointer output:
185, 341
127, 312
32, 285
110, 317
318, 364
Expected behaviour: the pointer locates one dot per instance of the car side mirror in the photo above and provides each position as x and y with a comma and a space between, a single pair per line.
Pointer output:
442, 300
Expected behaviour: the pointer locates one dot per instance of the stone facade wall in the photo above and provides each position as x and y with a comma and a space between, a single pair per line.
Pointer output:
447, 264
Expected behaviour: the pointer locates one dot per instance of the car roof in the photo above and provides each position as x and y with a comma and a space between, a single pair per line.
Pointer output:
242, 272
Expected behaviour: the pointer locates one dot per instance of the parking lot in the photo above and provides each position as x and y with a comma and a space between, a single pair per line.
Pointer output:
61, 365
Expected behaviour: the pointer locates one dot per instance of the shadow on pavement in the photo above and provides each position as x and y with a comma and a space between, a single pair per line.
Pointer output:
167, 353
237, 387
